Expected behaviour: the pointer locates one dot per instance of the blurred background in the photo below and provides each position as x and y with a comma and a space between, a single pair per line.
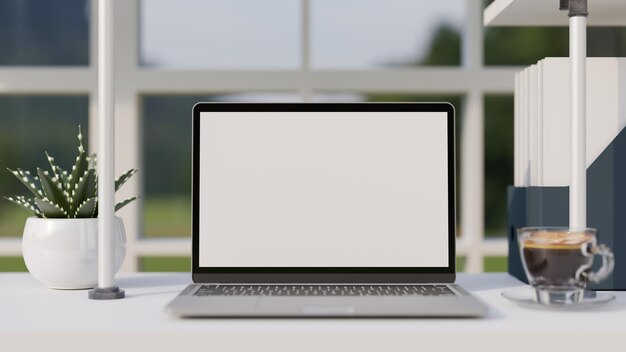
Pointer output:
176, 53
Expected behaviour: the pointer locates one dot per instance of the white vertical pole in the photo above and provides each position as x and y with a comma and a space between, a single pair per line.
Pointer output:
472, 181
106, 144
472, 144
578, 138
305, 46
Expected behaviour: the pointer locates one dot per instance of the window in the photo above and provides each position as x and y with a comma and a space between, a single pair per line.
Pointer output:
173, 54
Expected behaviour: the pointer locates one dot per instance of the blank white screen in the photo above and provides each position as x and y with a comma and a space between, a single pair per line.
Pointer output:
323, 189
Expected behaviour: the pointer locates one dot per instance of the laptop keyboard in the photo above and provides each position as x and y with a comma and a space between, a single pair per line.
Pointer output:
324, 290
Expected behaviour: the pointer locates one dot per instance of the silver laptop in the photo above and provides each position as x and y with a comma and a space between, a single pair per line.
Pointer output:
324, 210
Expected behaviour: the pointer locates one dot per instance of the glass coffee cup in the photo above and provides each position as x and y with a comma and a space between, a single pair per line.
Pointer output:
558, 262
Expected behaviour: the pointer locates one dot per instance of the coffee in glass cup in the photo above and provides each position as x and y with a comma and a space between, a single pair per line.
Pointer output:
558, 262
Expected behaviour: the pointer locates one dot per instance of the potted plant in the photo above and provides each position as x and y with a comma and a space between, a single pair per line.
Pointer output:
60, 242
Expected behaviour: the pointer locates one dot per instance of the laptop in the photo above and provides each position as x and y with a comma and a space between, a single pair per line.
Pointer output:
324, 210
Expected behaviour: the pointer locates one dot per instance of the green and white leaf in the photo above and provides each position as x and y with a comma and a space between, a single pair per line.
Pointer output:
50, 210
124, 177
27, 204
65, 179
56, 171
30, 202
92, 161
86, 209
81, 162
53, 190
63, 194
80, 193
121, 204
35, 207
28, 180
92, 187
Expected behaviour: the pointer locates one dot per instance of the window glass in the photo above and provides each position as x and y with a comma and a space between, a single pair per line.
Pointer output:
165, 264
498, 161
44, 32
490, 264
220, 34
526, 45
365, 34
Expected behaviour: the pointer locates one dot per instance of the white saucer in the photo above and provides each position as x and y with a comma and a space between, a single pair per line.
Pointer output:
524, 297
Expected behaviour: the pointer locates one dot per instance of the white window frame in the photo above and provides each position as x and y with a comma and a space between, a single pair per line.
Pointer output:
472, 80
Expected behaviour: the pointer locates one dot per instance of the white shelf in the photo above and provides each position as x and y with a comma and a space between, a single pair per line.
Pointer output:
547, 13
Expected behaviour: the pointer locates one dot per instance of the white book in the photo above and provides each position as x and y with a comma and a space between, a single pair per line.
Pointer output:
533, 125
516, 132
539, 161
525, 181
606, 113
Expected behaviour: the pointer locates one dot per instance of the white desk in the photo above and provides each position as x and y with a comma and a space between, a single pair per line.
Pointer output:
34, 317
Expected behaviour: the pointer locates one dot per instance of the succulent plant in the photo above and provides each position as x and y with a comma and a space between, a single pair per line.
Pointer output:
62, 194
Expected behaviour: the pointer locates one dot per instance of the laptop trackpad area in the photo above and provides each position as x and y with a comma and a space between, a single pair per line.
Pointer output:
310, 306
327, 310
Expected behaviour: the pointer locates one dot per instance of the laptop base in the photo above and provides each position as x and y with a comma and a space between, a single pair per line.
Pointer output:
189, 305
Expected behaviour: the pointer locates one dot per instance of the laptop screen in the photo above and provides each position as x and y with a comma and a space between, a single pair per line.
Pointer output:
323, 189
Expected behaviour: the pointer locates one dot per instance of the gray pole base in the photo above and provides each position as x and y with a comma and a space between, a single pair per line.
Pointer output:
106, 293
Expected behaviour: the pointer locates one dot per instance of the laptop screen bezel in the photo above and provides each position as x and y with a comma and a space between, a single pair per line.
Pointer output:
322, 274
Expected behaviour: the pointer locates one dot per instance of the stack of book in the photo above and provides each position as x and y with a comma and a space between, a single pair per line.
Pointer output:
542, 117
540, 194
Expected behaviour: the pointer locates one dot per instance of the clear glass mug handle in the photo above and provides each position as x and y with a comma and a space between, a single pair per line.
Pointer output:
608, 261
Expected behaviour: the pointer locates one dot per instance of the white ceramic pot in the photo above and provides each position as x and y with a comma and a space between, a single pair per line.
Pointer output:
63, 253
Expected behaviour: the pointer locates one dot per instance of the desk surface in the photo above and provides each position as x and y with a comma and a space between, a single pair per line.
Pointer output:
34, 317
